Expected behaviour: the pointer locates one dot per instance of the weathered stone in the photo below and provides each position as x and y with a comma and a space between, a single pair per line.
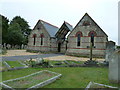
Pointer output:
114, 67
110, 48
85, 28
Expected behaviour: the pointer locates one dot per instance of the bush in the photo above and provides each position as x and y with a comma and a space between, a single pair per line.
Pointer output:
118, 47
3, 51
32, 51
91, 63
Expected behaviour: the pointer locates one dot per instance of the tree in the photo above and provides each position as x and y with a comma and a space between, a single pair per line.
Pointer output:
4, 23
24, 27
15, 36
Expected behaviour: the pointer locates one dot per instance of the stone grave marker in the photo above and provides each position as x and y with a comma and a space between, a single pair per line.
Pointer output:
114, 67
110, 48
40, 59
22, 46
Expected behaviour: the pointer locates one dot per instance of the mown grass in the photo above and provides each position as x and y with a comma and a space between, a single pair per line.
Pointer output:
75, 62
63, 63
2, 66
72, 77
14, 64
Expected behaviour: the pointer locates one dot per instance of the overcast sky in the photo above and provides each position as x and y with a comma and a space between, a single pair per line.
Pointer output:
104, 12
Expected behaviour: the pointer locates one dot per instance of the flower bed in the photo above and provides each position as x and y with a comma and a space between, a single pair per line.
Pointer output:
35, 80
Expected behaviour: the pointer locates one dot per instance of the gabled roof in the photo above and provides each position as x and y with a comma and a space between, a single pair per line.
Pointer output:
93, 22
64, 29
51, 29
68, 25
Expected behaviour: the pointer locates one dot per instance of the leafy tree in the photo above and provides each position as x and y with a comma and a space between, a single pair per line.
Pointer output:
23, 25
15, 36
4, 24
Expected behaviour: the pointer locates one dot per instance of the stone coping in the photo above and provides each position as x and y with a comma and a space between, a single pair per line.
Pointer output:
90, 83
46, 82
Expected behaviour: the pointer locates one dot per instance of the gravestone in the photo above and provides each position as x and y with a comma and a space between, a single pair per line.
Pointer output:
114, 67
4, 45
22, 46
8, 46
25, 46
40, 59
110, 48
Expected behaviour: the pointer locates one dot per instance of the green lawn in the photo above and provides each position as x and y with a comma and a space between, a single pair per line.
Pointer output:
75, 62
54, 62
69, 61
14, 64
72, 77
2, 66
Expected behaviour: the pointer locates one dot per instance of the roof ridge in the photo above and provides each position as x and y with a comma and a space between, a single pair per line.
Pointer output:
68, 23
49, 23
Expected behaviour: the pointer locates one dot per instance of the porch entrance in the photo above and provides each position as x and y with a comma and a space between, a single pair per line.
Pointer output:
59, 47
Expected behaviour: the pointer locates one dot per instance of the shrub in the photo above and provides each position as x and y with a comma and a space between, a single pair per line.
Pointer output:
91, 63
3, 51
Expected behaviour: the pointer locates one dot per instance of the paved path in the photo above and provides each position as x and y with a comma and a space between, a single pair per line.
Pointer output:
24, 57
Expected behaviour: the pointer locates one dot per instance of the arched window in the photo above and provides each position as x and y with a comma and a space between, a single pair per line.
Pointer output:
78, 40
34, 38
92, 34
41, 36
92, 39
78, 35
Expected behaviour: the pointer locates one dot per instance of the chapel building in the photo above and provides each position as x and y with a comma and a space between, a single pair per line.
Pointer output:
46, 37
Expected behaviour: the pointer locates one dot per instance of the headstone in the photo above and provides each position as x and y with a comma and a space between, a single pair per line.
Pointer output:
40, 59
110, 48
25, 46
4, 45
114, 67
8, 46
22, 46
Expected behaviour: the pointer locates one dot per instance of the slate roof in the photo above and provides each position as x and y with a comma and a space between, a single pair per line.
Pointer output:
68, 25
52, 30
62, 32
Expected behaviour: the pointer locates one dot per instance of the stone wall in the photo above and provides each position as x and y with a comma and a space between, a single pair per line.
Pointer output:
38, 47
99, 42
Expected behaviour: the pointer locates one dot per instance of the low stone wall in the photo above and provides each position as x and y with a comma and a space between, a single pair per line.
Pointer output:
46, 82
93, 83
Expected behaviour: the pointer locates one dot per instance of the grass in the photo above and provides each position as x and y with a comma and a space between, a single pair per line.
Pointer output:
72, 77
14, 64
54, 62
75, 62
69, 61
31, 80
2, 66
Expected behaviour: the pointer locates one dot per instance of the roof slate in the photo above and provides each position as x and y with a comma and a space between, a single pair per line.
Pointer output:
52, 30
69, 26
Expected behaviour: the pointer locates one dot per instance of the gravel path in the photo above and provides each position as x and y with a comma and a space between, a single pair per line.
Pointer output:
18, 53
23, 55
65, 57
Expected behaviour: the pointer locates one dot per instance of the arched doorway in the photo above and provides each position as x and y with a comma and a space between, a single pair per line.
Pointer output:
59, 47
